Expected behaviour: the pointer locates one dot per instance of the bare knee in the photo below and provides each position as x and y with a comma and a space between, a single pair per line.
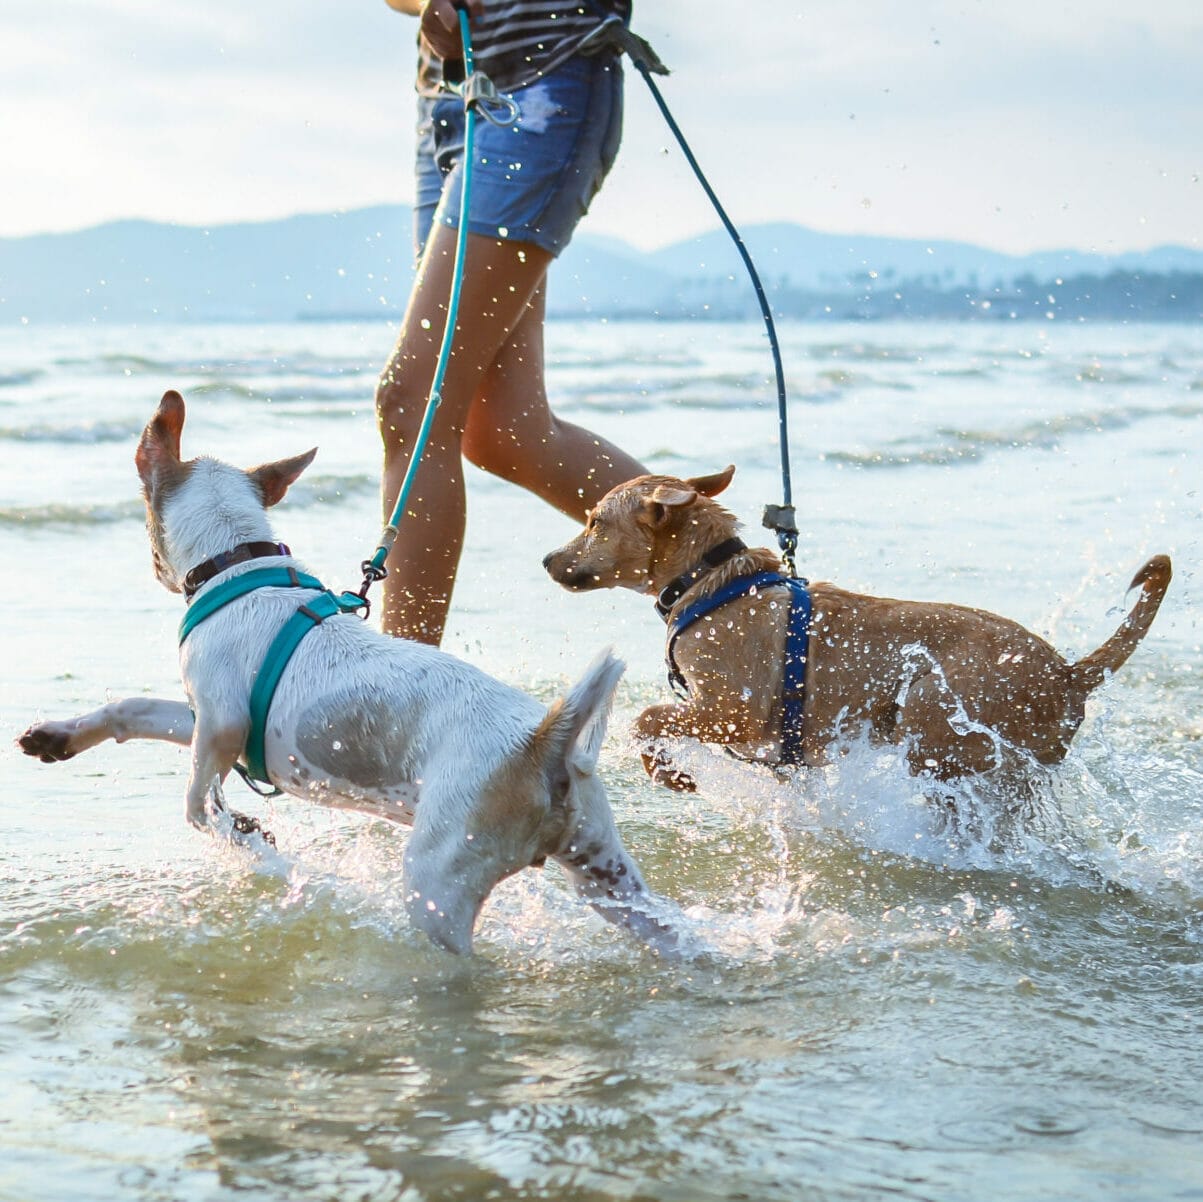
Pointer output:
497, 452
398, 407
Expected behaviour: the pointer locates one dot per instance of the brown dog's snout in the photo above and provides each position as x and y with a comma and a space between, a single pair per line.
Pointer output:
564, 567
559, 564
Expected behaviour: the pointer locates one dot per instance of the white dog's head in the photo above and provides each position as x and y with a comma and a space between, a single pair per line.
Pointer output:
200, 507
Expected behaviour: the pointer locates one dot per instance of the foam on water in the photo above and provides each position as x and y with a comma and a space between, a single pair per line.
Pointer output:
1097, 821
71, 516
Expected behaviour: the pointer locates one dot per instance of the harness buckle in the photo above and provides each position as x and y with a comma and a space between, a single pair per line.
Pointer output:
353, 603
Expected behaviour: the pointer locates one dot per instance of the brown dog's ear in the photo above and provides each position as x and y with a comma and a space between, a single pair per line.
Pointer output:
672, 496
275, 479
663, 500
711, 486
159, 447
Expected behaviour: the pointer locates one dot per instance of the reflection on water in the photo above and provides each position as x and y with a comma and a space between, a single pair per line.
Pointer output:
883, 1003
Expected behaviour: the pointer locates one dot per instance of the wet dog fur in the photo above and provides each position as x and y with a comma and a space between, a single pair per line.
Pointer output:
490, 780
964, 691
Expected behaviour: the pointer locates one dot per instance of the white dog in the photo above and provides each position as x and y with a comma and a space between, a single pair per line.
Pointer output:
490, 780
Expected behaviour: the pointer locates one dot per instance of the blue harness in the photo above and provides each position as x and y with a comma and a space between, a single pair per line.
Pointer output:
797, 644
307, 616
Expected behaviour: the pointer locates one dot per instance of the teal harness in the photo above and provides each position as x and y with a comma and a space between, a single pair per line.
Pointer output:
310, 614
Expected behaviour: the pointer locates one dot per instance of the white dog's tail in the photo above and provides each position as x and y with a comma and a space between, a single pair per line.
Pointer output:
546, 801
591, 851
589, 702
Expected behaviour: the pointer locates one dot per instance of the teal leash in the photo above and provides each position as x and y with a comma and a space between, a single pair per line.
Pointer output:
477, 92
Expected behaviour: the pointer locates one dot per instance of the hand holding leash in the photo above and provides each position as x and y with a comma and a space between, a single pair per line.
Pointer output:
440, 25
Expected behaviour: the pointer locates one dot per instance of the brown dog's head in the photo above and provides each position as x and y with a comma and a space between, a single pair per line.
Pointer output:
643, 533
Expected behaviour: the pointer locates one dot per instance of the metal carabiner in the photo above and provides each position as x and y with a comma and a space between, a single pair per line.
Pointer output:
479, 92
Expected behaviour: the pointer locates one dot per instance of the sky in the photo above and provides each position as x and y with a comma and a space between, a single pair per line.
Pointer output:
1019, 125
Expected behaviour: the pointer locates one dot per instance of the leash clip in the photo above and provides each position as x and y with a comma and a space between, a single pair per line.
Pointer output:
371, 574
781, 519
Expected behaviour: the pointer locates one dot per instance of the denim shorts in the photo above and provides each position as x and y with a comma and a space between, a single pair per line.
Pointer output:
533, 180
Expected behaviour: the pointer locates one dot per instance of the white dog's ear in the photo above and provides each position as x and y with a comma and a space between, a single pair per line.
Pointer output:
711, 486
159, 446
274, 479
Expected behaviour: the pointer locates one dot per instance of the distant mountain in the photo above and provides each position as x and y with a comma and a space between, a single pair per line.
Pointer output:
358, 264
801, 258
272, 270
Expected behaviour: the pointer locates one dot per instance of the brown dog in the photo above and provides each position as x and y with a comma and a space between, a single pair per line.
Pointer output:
963, 690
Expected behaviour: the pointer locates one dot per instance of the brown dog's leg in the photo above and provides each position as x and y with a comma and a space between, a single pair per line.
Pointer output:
935, 747
659, 722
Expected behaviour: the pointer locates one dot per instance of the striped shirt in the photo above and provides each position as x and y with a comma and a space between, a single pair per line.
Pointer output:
516, 41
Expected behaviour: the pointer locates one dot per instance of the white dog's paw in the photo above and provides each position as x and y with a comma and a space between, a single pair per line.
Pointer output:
49, 742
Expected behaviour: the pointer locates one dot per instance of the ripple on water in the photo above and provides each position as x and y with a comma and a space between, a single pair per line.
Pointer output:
1050, 1124
87, 433
1182, 1118
985, 1134
946, 446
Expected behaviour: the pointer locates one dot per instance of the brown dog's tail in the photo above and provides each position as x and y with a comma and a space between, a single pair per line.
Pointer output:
1154, 579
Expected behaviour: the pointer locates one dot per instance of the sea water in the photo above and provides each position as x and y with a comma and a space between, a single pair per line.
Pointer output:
887, 1005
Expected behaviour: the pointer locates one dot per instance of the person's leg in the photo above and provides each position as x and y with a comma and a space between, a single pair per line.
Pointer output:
500, 279
565, 142
512, 432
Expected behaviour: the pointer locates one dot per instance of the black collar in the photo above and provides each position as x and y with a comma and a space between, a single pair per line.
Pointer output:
672, 592
204, 572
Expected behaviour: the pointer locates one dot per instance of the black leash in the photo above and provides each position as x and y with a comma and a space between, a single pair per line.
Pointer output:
612, 32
